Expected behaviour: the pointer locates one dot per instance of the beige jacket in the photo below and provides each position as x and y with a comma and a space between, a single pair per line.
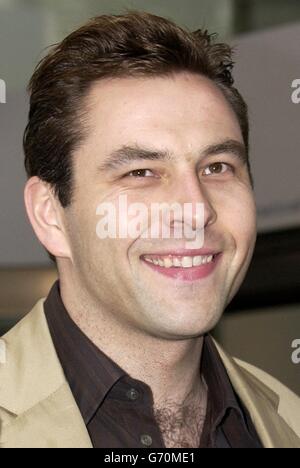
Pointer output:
37, 408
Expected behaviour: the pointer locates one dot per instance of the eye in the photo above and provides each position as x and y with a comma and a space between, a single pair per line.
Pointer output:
217, 168
140, 173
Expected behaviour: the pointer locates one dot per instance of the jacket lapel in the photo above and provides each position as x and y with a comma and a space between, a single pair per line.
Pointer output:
52, 423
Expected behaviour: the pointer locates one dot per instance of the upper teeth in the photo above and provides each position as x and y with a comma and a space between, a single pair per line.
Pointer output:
185, 262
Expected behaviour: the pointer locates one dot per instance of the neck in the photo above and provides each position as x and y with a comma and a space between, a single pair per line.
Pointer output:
171, 368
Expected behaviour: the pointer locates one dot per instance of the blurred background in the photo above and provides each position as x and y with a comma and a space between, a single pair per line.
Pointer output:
264, 319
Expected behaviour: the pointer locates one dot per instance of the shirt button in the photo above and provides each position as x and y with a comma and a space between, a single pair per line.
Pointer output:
132, 394
146, 440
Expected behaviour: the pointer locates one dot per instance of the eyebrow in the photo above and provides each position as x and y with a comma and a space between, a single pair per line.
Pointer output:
127, 154
234, 147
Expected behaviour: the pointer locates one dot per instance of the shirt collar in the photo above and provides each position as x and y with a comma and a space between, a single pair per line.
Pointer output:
220, 390
90, 373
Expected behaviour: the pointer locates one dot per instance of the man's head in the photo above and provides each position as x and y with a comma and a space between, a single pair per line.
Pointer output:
139, 85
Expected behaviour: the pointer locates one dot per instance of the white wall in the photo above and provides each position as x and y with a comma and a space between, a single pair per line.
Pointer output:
267, 64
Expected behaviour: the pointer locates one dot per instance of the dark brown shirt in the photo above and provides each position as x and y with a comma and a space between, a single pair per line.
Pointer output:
118, 410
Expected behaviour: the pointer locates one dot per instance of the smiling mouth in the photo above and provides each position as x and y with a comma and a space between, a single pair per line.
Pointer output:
183, 267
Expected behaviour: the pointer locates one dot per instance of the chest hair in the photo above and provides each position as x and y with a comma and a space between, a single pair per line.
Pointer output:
181, 425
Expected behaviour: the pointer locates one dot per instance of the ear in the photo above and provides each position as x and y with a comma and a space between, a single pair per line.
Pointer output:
43, 210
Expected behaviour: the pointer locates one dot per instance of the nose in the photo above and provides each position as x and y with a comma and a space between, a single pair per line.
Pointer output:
192, 194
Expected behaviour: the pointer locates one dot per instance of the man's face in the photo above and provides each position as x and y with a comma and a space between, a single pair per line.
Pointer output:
183, 115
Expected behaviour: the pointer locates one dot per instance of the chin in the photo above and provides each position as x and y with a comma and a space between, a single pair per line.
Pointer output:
186, 330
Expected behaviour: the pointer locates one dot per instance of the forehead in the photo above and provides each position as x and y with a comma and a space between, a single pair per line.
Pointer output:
180, 110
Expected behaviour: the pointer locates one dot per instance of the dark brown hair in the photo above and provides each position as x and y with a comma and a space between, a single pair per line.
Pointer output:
133, 44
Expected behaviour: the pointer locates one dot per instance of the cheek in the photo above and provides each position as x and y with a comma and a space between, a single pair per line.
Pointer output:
244, 232
236, 211
246, 211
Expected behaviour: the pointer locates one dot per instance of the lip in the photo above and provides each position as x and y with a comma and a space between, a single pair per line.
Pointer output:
187, 274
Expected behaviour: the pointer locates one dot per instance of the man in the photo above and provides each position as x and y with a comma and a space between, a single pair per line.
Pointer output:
119, 354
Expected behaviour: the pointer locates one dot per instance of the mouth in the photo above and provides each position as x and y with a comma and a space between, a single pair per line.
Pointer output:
185, 267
